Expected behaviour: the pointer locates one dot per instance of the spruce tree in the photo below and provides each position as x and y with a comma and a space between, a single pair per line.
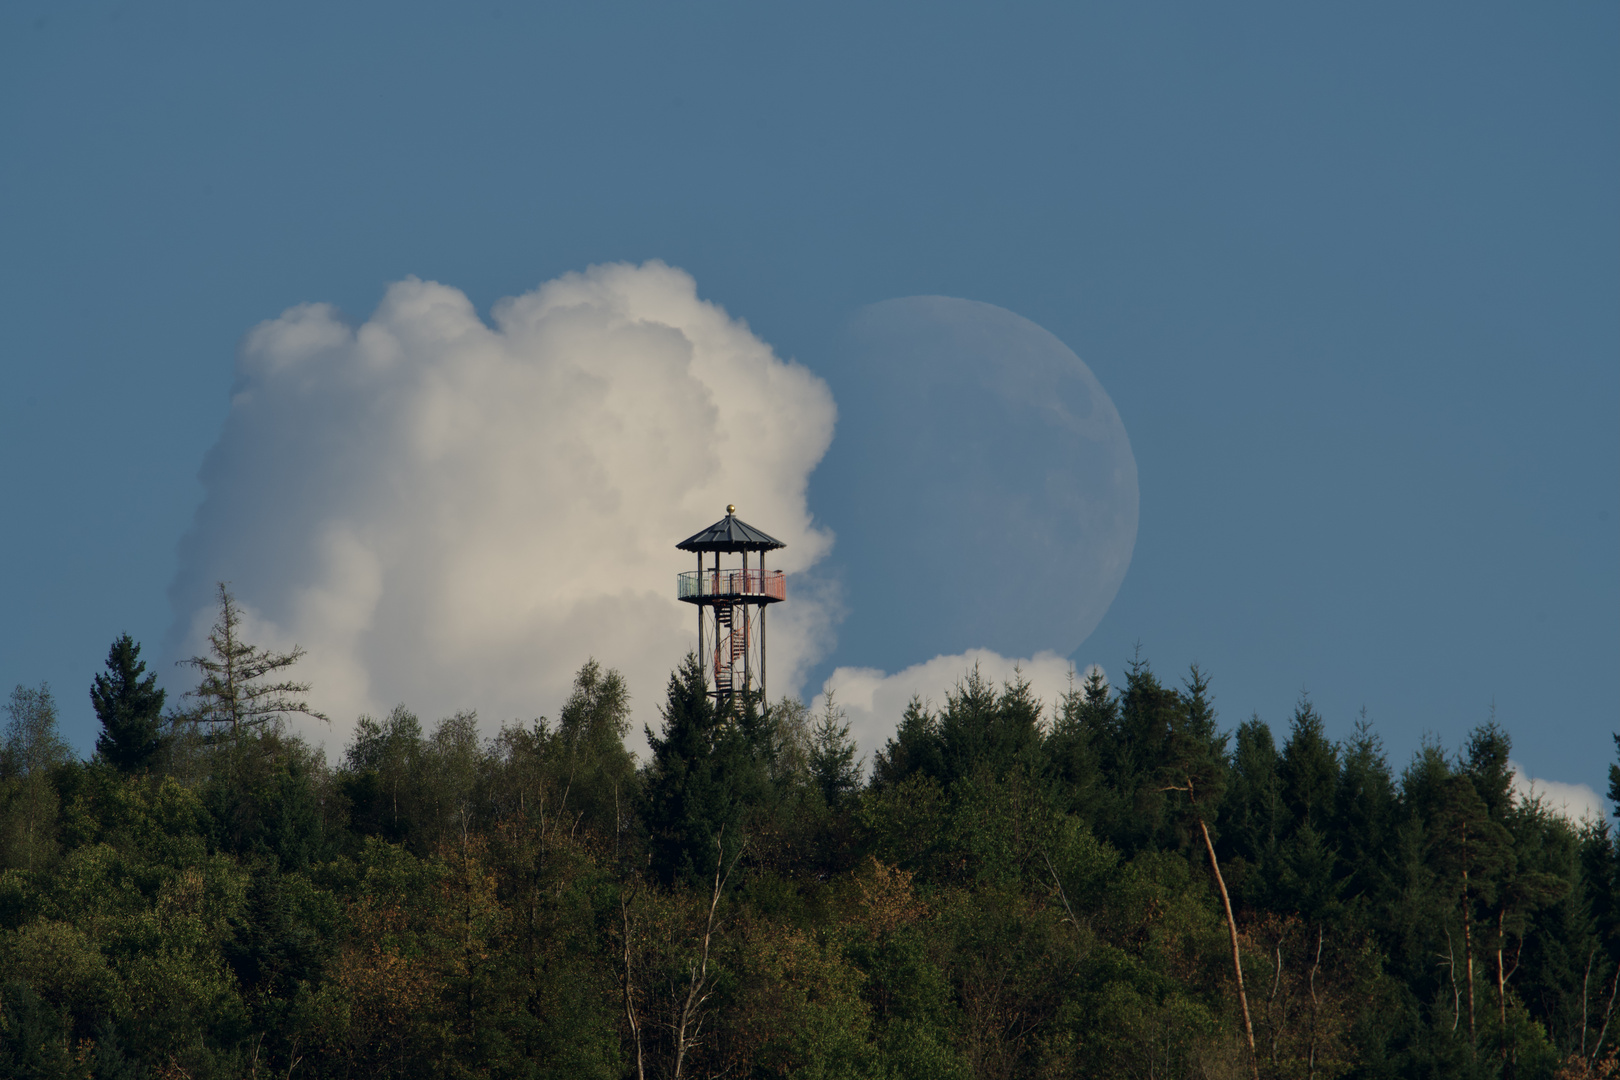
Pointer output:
1364, 821
710, 766
833, 768
1132, 755
969, 731
1071, 751
1253, 818
915, 747
1308, 768
129, 707
980, 729
1486, 763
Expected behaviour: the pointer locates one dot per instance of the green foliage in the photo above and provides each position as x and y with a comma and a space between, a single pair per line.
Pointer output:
238, 687
832, 766
1082, 717
710, 768
1016, 892
33, 1040
30, 759
32, 746
981, 731
129, 707
1308, 769
383, 775
590, 734
915, 748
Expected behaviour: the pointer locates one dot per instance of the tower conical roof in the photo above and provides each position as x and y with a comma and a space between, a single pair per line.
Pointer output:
730, 533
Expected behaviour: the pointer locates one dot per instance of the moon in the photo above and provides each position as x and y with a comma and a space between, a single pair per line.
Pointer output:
980, 483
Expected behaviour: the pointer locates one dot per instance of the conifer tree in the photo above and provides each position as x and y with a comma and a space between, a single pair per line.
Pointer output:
709, 766
1470, 851
1193, 764
1308, 768
129, 707
235, 691
1071, 747
1132, 755
1308, 772
833, 768
1486, 764
1364, 818
1253, 817
915, 747
980, 729
970, 730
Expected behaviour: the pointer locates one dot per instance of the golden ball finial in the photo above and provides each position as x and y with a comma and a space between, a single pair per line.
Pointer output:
731, 508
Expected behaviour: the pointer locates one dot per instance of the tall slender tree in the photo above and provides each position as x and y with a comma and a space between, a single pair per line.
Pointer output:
129, 707
239, 688
1071, 745
33, 749
710, 766
915, 747
1194, 764
833, 767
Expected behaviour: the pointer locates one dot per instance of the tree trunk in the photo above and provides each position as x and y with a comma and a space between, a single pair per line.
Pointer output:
1451, 968
1316, 1005
1586, 981
1468, 954
1608, 1011
689, 1022
1237, 958
1501, 980
629, 990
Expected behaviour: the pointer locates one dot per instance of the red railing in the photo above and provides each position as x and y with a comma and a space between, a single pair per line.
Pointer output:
693, 585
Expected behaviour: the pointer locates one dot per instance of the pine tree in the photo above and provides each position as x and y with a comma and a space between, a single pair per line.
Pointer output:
915, 747
1253, 819
129, 707
1192, 764
1308, 768
709, 767
970, 730
1470, 851
233, 691
1071, 748
1308, 771
833, 768
1486, 764
1132, 754
1364, 819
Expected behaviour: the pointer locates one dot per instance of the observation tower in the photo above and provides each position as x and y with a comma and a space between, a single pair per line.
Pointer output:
731, 603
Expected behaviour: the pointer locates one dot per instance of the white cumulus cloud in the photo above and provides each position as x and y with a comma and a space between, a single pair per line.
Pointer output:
455, 514
873, 701
1576, 802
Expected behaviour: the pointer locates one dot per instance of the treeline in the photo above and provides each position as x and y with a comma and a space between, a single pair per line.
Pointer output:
1106, 885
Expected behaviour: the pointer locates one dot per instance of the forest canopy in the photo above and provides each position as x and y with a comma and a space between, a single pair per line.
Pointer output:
1109, 884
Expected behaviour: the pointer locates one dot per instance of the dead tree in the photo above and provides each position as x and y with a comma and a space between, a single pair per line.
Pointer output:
1231, 922
688, 1019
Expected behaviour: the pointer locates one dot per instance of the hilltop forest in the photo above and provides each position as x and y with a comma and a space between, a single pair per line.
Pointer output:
1111, 884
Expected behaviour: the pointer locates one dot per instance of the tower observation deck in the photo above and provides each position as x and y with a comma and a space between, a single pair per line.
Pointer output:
731, 602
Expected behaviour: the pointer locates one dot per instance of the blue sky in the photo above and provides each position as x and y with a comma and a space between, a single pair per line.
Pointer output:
1349, 276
